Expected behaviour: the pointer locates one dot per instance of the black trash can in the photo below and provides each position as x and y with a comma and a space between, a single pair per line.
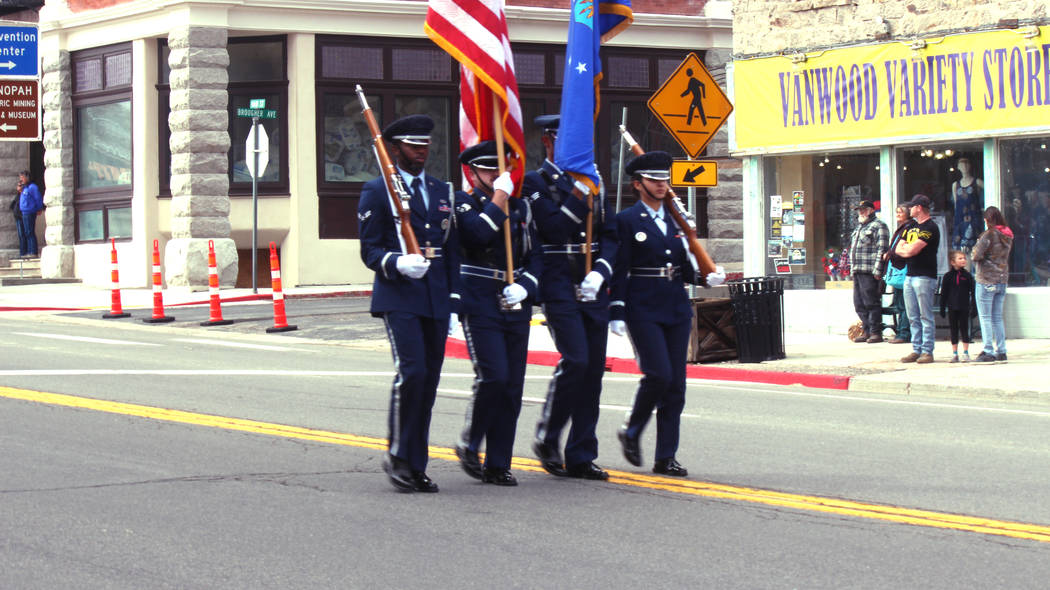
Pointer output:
758, 314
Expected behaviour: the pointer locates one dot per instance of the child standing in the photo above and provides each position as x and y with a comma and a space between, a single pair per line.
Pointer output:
957, 303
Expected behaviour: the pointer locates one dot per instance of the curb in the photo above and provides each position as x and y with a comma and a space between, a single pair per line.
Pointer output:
457, 348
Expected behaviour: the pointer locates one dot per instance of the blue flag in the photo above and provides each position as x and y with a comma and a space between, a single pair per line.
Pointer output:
574, 148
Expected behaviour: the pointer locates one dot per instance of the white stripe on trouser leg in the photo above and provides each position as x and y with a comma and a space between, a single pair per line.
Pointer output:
634, 399
542, 427
395, 392
469, 416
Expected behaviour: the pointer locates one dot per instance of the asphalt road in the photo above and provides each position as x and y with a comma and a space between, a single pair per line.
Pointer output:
271, 477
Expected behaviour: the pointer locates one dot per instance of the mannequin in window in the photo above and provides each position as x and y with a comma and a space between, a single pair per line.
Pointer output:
968, 194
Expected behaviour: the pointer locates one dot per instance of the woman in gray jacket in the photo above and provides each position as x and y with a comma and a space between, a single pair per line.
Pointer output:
991, 257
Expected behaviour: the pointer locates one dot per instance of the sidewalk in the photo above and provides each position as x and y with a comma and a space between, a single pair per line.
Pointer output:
813, 360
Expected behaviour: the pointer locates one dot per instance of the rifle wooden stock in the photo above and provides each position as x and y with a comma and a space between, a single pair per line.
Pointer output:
395, 185
678, 214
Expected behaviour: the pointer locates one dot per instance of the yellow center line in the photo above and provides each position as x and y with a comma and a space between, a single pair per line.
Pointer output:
926, 518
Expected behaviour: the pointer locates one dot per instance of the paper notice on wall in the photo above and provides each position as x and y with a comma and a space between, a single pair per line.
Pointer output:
798, 232
773, 248
774, 206
782, 266
798, 199
797, 256
775, 228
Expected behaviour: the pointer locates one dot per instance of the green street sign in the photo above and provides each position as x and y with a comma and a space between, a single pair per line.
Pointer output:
257, 103
261, 113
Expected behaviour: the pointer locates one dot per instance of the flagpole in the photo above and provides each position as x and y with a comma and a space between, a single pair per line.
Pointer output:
497, 125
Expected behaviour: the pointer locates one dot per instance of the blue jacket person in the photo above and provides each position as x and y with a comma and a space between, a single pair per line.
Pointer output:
576, 306
650, 303
497, 335
413, 293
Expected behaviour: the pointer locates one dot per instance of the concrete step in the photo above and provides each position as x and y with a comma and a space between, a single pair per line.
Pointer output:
28, 267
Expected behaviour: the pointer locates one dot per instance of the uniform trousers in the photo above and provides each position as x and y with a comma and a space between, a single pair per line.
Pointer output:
499, 348
661, 351
418, 346
580, 333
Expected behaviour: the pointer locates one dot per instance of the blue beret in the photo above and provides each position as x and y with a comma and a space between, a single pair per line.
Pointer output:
548, 122
654, 165
483, 155
413, 129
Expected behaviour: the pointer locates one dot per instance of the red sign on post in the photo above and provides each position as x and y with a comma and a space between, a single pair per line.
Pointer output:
19, 110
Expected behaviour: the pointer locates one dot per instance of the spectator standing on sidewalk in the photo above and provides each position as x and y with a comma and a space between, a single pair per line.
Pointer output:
991, 255
919, 248
29, 204
867, 245
897, 304
957, 303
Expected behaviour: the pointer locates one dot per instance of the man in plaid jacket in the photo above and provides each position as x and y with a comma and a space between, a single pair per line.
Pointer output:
867, 245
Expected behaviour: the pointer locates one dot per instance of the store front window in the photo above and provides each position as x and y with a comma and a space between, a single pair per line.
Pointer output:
1026, 205
952, 176
809, 214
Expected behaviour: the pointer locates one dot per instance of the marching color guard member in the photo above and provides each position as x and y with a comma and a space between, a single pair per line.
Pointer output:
576, 306
648, 291
412, 293
495, 311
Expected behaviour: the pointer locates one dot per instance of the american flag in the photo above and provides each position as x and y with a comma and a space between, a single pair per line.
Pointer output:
474, 32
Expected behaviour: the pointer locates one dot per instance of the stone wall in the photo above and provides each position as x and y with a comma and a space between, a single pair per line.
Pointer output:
56, 87
200, 141
725, 214
763, 27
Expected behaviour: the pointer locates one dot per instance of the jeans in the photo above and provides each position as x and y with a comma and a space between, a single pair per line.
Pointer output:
27, 228
918, 299
990, 311
903, 325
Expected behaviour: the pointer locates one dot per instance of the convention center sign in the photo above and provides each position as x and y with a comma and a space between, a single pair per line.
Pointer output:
957, 84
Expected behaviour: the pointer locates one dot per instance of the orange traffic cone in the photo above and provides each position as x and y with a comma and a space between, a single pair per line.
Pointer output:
115, 310
215, 318
280, 322
158, 298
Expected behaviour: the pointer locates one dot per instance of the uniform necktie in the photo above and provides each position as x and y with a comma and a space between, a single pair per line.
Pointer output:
417, 191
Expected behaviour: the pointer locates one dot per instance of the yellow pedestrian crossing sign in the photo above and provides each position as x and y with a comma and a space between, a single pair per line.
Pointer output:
691, 105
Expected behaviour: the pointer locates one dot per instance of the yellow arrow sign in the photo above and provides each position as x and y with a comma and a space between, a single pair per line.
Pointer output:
694, 173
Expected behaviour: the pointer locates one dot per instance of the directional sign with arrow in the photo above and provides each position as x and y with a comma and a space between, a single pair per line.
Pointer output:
18, 46
694, 173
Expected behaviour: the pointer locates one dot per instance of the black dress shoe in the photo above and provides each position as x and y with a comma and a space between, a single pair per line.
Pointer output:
469, 461
550, 458
632, 450
422, 483
587, 470
400, 474
670, 467
500, 477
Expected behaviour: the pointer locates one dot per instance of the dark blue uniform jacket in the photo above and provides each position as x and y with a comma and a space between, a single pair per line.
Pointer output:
433, 295
479, 225
643, 246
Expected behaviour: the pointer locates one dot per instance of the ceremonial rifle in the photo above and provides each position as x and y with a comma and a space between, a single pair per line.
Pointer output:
682, 218
395, 185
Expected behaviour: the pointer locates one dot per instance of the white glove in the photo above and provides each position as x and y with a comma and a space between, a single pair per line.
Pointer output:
504, 183
590, 285
716, 278
514, 294
453, 322
413, 266
583, 188
618, 327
